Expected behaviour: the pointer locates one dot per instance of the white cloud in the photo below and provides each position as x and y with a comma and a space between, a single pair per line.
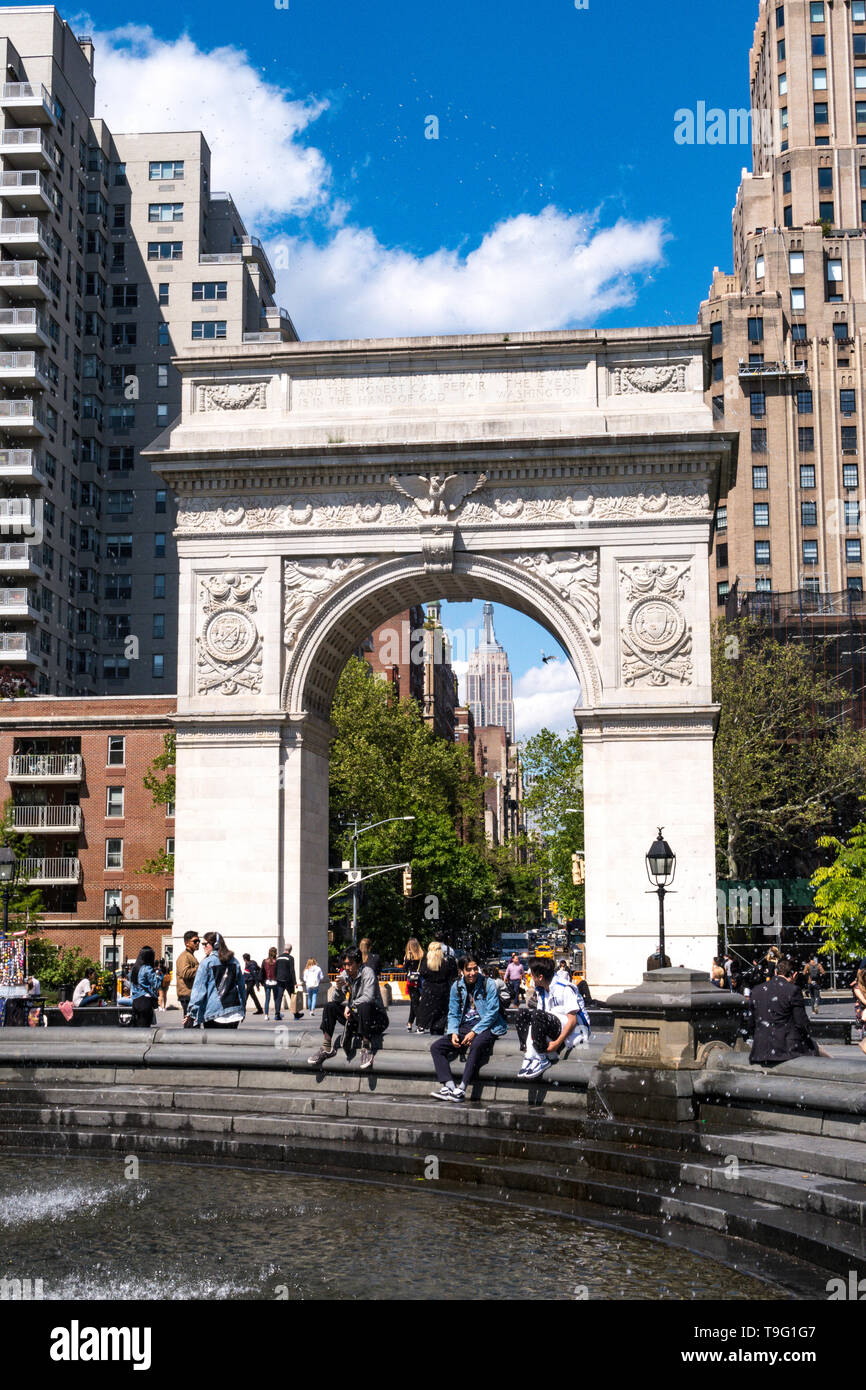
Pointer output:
544, 698
528, 273
543, 271
252, 126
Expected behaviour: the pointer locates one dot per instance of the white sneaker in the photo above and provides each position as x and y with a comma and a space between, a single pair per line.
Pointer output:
526, 1069
459, 1093
445, 1092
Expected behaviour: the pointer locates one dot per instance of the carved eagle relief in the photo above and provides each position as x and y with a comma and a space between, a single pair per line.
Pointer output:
436, 494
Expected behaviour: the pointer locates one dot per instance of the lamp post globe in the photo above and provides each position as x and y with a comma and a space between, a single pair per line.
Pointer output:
661, 867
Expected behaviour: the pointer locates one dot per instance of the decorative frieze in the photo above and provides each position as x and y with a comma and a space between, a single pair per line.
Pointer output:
656, 639
229, 645
232, 395
436, 494
305, 585
573, 574
642, 381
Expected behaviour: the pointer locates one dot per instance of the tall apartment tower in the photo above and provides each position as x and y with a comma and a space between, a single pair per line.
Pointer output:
488, 681
789, 325
115, 255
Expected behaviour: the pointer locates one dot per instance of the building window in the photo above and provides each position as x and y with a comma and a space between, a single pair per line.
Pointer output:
810, 552
162, 374
121, 458
849, 439
819, 45
118, 547
118, 588
159, 626
763, 585
780, 16
806, 439
762, 552
165, 212
848, 402
162, 335
759, 441
822, 113
819, 79
825, 180
798, 332
118, 219
760, 477
169, 904
816, 11
855, 584
716, 328
119, 501
718, 407
722, 557
124, 334
761, 513
760, 268
165, 250
861, 112
807, 475
858, 11
852, 552
169, 844
114, 854
840, 330
718, 369
169, 810
796, 261
780, 51
809, 513
165, 169
850, 475
804, 402
783, 118
114, 801
158, 666
827, 212
159, 586
723, 588
215, 328
210, 289
159, 544
786, 182
756, 330
721, 518
860, 79
163, 294
159, 500
852, 516
798, 301
114, 668
116, 751
788, 216
162, 415
124, 296
783, 84
758, 404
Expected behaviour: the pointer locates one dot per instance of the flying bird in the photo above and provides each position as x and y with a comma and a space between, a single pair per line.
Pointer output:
545, 659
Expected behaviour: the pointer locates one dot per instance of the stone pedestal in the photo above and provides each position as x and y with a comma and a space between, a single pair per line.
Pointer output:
664, 1031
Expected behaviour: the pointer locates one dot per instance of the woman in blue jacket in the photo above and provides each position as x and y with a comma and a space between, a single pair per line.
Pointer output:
475, 1021
145, 984
218, 998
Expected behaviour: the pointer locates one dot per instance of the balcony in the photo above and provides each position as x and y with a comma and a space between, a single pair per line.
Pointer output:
45, 767
18, 513
17, 603
27, 148
777, 369
16, 557
23, 417
26, 278
27, 101
23, 369
220, 258
21, 465
49, 871
24, 328
25, 235
18, 649
46, 819
27, 191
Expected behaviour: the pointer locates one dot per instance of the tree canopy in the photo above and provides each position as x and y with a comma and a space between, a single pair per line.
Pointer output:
840, 894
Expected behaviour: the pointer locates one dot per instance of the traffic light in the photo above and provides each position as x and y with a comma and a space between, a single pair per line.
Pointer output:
407, 881
578, 869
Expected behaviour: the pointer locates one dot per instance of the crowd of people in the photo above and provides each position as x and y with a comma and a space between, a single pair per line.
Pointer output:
777, 987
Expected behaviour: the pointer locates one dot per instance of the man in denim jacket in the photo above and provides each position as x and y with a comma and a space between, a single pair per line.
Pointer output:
475, 1020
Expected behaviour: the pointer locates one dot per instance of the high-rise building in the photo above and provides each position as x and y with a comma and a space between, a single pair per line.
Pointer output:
789, 325
488, 681
115, 255
412, 652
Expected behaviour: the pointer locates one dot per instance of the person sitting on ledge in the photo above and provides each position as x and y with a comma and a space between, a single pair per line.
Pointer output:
558, 1021
86, 995
475, 1020
778, 1020
358, 1001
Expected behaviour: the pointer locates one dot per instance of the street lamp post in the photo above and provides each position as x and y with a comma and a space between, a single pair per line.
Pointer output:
661, 867
113, 914
7, 878
355, 834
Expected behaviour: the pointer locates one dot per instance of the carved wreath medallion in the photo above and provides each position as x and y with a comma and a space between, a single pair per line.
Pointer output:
229, 645
656, 639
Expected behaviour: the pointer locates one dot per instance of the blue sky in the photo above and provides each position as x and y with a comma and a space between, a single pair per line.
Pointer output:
555, 195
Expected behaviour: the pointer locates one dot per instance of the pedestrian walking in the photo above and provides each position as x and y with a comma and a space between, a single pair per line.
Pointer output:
251, 979
146, 981
815, 973
558, 1022
268, 977
412, 958
165, 982
779, 1025
187, 967
858, 989
370, 956
357, 1003
437, 973
286, 982
218, 998
475, 1021
313, 977
513, 978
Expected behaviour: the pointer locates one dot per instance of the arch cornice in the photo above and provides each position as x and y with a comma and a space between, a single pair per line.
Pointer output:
344, 617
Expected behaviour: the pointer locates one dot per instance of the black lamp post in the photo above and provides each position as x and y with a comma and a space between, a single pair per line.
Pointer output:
661, 866
7, 878
114, 915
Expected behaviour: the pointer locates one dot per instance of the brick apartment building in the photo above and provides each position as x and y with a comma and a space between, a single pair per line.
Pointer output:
412, 652
74, 773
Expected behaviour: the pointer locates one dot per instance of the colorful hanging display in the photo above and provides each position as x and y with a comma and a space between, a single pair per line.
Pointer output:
13, 963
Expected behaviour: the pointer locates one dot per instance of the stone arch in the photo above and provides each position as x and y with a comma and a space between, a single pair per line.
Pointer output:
348, 615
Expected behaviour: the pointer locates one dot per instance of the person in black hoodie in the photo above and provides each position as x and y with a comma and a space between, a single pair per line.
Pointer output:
778, 1018
251, 976
437, 973
286, 981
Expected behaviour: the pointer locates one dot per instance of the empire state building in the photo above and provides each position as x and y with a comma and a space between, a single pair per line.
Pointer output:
488, 681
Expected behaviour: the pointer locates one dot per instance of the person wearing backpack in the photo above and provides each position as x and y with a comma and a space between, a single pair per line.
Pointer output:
251, 979
286, 982
218, 998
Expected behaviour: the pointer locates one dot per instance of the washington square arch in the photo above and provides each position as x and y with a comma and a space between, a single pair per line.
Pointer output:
324, 487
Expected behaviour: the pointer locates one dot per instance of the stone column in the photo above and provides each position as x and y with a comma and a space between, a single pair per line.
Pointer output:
304, 838
644, 769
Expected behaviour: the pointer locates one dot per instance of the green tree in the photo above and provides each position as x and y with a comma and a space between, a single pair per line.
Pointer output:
785, 765
25, 901
840, 894
160, 782
553, 776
